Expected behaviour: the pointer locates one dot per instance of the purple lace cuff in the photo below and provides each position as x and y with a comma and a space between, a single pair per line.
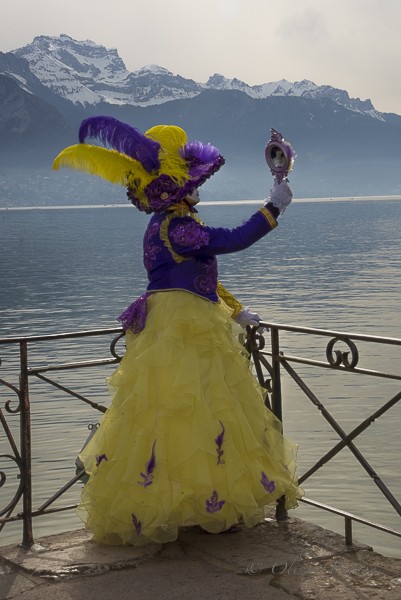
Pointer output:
134, 317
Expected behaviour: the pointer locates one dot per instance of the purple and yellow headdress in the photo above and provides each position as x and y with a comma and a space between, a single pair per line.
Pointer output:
159, 167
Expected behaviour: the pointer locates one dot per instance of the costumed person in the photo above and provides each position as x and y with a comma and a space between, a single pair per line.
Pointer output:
187, 439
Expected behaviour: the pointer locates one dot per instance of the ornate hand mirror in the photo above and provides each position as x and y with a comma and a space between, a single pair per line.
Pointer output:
280, 156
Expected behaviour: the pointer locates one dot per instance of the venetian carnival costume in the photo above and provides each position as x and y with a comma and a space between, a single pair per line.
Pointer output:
187, 439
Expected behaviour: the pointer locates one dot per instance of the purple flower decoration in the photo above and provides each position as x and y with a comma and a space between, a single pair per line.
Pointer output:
162, 192
203, 160
214, 504
269, 485
150, 465
137, 524
219, 442
99, 458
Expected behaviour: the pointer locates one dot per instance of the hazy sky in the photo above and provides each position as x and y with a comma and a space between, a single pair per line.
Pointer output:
350, 44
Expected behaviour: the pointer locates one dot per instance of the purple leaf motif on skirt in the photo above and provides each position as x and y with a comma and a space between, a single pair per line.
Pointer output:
269, 485
150, 465
219, 442
99, 458
137, 524
214, 504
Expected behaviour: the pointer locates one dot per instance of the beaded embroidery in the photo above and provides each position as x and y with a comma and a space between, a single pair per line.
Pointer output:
150, 251
206, 283
190, 234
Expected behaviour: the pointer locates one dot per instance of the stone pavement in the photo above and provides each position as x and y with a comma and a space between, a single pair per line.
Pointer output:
279, 561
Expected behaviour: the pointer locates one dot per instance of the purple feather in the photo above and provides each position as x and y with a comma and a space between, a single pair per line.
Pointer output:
197, 151
123, 138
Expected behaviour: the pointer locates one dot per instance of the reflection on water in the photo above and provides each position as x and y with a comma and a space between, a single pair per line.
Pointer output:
328, 265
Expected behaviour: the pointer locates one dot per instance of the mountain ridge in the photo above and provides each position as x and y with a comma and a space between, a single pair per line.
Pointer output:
340, 151
87, 73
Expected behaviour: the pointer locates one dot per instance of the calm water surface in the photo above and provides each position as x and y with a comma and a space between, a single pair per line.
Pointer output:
331, 265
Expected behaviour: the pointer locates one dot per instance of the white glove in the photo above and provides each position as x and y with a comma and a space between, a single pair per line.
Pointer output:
247, 318
281, 195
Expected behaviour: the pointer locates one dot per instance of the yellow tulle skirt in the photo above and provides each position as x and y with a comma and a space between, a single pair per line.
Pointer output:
187, 439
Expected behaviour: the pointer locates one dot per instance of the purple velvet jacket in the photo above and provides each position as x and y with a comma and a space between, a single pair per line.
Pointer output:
180, 254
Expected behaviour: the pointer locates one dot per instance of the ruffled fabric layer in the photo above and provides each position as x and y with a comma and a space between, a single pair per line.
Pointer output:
187, 439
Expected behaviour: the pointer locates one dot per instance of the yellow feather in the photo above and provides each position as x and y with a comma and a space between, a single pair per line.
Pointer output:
109, 164
171, 139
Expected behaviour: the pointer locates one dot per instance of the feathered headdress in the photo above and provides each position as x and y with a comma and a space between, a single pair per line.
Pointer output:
159, 168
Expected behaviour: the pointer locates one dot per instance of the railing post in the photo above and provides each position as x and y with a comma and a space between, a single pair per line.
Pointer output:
26, 455
281, 512
276, 379
348, 531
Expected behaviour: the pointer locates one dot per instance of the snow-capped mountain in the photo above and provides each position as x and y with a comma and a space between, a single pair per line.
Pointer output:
85, 73
304, 88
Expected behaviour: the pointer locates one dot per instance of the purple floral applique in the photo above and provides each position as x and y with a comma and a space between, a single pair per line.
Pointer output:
190, 234
99, 458
150, 465
219, 442
207, 282
268, 484
137, 524
214, 504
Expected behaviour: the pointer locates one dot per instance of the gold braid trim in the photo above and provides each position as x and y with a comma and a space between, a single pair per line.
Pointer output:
229, 299
164, 235
268, 216
176, 211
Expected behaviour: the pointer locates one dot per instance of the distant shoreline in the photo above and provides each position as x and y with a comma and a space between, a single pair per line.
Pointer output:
211, 203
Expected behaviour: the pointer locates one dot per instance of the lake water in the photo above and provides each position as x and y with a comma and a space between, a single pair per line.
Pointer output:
330, 264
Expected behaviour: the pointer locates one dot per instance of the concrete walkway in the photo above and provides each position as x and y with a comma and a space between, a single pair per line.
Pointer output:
278, 561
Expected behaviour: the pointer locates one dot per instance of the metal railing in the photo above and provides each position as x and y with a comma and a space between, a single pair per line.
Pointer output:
270, 363
22, 456
336, 359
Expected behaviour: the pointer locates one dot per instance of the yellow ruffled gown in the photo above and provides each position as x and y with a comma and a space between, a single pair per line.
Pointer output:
187, 439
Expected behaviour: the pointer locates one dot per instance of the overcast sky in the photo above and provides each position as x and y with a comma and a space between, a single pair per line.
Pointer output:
350, 44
